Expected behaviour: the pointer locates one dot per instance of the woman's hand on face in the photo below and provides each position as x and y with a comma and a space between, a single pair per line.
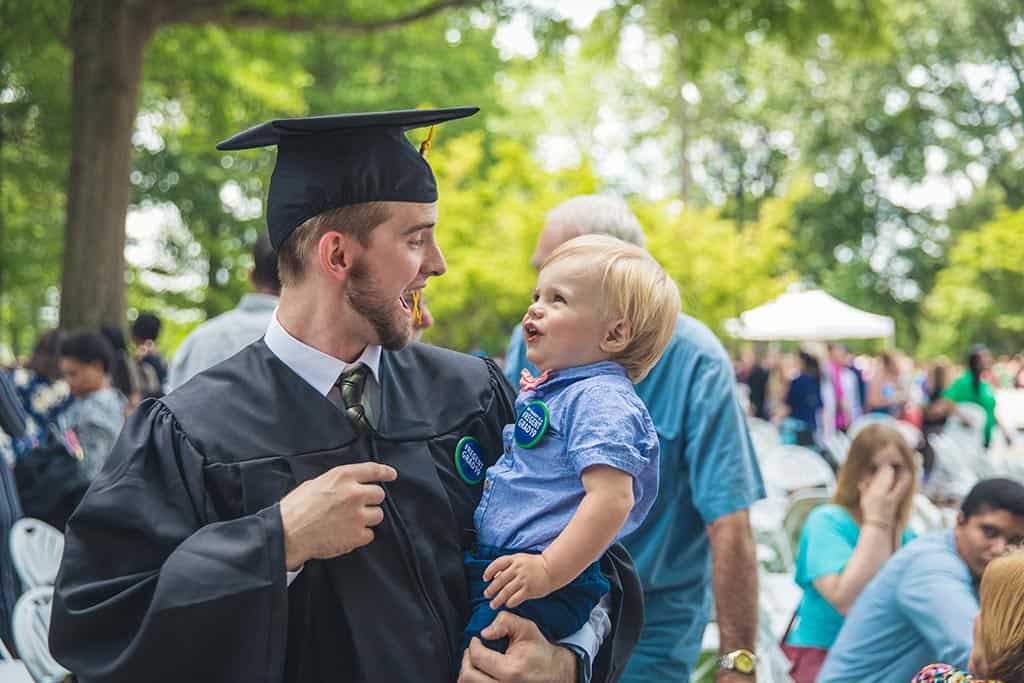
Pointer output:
880, 496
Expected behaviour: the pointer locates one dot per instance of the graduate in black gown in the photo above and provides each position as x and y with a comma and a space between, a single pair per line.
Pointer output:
298, 513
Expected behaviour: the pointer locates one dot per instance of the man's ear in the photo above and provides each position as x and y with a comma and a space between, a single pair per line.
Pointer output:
618, 336
961, 519
335, 254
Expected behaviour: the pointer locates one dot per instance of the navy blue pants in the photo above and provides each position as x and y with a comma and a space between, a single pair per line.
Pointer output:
557, 615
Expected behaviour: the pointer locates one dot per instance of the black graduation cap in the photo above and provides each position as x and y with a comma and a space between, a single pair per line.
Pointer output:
327, 162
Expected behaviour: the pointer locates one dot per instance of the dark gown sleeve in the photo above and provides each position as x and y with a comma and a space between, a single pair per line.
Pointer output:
150, 588
627, 615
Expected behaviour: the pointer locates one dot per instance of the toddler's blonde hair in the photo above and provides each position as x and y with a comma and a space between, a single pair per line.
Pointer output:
634, 287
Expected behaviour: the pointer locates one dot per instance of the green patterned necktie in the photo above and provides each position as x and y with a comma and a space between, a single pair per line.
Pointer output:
352, 384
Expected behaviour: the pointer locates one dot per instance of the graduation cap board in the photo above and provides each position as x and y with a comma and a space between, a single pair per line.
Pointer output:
327, 162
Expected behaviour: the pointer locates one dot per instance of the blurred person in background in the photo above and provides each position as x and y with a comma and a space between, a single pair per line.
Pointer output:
887, 390
96, 412
145, 330
758, 375
804, 400
125, 374
938, 408
998, 652
1003, 372
973, 387
845, 543
779, 371
224, 335
39, 384
845, 387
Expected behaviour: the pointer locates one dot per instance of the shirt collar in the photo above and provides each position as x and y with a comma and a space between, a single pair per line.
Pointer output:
560, 378
319, 369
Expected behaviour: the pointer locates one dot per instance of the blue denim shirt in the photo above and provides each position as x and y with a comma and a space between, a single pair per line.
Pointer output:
595, 418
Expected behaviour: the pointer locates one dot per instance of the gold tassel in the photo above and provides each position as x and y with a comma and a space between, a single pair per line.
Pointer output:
425, 145
417, 311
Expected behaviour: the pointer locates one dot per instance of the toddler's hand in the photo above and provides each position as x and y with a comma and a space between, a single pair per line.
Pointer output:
516, 579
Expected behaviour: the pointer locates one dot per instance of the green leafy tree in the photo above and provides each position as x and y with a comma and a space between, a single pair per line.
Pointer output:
108, 40
489, 220
977, 296
34, 143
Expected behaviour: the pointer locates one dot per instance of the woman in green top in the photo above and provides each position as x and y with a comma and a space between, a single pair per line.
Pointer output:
971, 388
844, 544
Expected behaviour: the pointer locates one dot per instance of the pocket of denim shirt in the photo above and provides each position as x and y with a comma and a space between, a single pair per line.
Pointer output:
549, 453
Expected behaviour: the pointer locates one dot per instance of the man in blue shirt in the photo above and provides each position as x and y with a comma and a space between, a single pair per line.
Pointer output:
920, 608
697, 536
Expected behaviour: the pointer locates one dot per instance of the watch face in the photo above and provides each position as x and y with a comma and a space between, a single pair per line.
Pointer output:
743, 662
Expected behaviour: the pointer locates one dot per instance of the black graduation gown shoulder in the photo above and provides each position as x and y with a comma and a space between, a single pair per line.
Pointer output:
174, 562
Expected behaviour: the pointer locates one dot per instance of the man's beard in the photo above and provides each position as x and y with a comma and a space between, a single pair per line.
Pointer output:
392, 332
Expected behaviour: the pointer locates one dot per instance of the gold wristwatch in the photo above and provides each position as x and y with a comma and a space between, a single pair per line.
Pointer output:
740, 661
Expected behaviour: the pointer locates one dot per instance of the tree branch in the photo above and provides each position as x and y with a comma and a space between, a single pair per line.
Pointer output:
214, 11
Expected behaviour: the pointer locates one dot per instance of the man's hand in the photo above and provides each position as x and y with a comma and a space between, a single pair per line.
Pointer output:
518, 578
333, 514
530, 658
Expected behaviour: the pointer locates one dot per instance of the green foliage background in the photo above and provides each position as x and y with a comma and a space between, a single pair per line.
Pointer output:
761, 144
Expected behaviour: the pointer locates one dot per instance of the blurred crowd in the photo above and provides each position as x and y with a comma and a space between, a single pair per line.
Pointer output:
822, 389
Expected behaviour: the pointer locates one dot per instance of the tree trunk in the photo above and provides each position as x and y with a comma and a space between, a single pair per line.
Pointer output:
108, 39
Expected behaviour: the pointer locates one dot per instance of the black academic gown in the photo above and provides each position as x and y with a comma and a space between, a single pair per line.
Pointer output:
174, 566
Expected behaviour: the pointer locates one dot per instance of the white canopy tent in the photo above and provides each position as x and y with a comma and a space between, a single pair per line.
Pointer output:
808, 316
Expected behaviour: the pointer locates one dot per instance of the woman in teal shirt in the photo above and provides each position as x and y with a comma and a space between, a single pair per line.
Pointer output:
845, 543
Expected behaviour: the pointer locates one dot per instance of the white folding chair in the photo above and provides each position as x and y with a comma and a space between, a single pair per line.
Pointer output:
792, 468
971, 412
868, 419
911, 434
764, 434
838, 446
12, 670
801, 504
31, 635
953, 475
775, 553
926, 516
779, 596
36, 549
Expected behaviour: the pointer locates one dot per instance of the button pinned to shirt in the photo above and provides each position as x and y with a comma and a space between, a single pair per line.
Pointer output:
531, 424
469, 461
